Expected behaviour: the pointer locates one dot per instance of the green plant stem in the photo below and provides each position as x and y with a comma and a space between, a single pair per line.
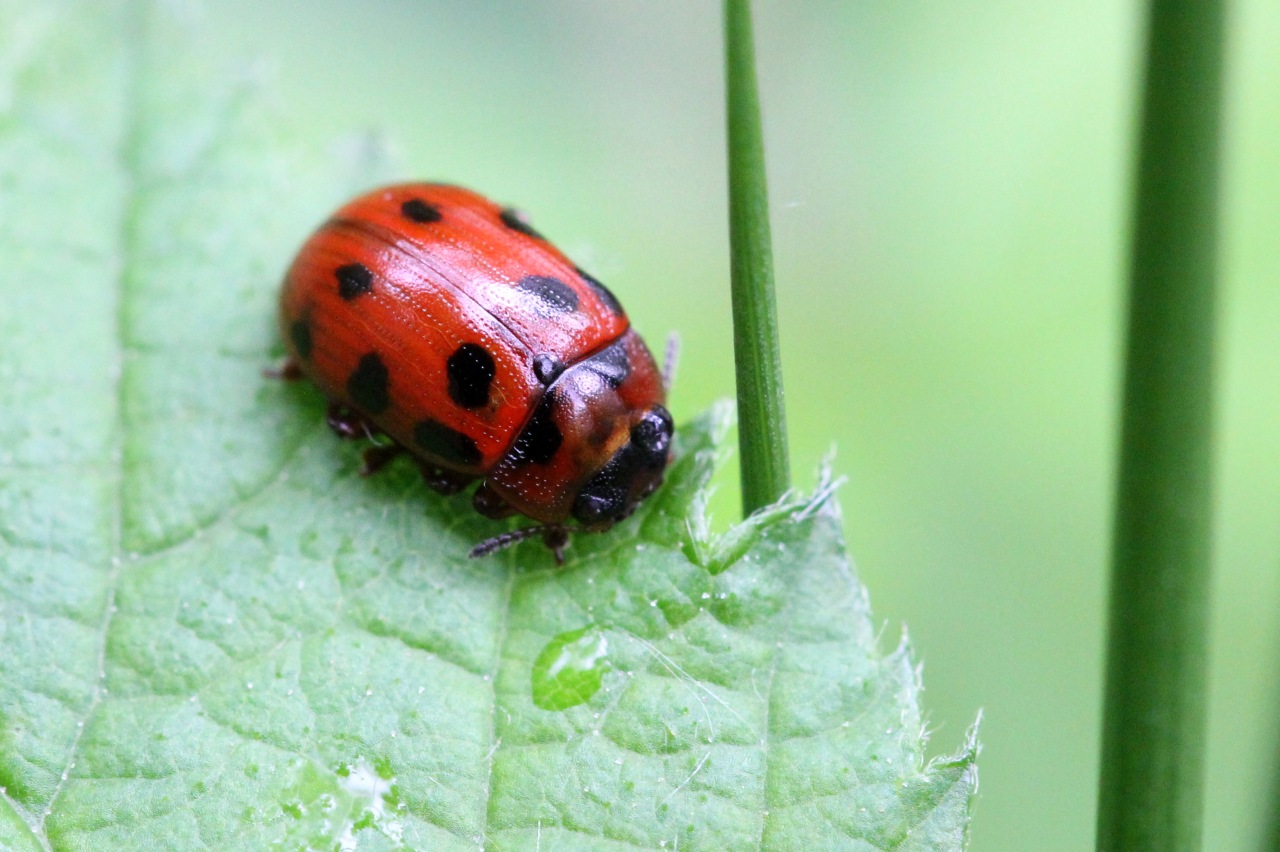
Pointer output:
1153, 729
1271, 828
762, 427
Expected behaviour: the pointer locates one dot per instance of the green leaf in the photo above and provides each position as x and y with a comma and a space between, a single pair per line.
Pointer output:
215, 634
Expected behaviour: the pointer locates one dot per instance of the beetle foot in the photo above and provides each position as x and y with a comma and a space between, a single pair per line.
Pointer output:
289, 371
377, 457
556, 538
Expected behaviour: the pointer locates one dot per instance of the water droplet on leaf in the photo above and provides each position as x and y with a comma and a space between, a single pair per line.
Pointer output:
570, 669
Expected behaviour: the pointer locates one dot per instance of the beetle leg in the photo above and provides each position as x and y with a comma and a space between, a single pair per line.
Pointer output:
444, 481
556, 538
487, 502
349, 424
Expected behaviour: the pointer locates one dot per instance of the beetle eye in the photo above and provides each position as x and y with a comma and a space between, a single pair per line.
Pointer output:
653, 433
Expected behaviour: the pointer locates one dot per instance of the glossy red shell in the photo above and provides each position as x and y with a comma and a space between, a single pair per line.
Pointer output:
452, 325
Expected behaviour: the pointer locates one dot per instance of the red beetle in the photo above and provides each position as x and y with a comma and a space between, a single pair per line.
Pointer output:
432, 316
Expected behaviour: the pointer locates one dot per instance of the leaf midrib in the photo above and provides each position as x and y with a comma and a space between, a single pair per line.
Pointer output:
121, 552
131, 203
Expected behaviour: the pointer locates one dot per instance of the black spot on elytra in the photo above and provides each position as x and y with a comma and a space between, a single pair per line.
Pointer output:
353, 279
541, 437
602, 292
547, 368
551, 296
445, 443
471, 371
610, 364
513, 220
420, 211
300, 334
367, 385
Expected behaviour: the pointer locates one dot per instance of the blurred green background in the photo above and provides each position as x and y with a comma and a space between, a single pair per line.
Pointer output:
949, 188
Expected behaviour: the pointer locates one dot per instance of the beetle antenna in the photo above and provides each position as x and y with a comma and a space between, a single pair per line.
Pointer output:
504, 540
669, 360
554, 536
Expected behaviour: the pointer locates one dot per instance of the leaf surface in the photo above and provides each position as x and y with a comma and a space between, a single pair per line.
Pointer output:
215, 634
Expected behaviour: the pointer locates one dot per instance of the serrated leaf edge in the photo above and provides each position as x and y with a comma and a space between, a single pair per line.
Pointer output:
718, 553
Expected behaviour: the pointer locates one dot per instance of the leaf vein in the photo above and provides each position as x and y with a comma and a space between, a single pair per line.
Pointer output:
494, 740
22, 814
228, 512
